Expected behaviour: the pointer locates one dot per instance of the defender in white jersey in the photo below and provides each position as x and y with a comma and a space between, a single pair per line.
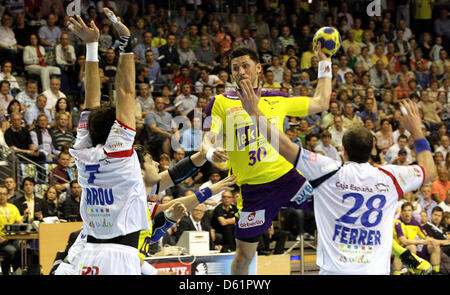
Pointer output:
354, 203
113, 204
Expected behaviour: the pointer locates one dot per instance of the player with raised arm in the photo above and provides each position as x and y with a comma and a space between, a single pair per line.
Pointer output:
113, 203
355, 202
267, 181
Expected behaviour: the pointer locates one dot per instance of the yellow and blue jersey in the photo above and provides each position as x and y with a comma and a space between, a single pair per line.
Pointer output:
410, 230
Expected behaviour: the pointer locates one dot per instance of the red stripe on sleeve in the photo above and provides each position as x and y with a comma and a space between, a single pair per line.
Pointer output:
423, 171
397, 185
121, 154
124, 126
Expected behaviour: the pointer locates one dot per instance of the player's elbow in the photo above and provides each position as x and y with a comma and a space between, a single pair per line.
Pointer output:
430, 175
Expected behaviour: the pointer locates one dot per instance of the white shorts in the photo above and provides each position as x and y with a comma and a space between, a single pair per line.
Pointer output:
109, 259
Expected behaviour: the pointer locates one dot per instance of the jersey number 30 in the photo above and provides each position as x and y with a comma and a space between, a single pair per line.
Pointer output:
359, 201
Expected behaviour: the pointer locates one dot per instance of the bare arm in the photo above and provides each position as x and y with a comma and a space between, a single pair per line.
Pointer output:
92, 77
321, 99
413, 123
191, 201
125, 83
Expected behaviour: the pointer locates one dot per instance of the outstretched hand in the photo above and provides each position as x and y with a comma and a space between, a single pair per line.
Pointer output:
225, 184
117, 22
84, 32
411, 120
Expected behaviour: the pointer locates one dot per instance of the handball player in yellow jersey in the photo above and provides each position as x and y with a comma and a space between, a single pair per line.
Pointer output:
266, 180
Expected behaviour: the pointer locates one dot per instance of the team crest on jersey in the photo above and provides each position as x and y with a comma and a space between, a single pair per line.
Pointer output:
381, 187
309, 156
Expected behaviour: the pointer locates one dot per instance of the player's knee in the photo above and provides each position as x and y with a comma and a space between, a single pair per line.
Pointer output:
412, 248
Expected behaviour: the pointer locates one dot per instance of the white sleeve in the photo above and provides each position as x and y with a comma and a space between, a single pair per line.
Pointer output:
313, 165
83, 139
405, 178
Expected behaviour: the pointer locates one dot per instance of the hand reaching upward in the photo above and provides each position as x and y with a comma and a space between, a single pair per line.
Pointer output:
84, 32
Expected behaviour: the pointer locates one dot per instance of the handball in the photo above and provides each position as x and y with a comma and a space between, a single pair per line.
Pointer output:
330, 39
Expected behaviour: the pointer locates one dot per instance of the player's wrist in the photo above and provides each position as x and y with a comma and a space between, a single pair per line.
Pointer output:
324, 69
209, 154
92, 51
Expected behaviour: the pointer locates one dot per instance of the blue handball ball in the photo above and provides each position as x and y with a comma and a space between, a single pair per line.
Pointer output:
330, 39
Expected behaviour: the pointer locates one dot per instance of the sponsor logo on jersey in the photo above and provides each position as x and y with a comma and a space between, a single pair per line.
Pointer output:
89, 270
309, 156
251, 219
303, 194
233, 110
381, 187
246, 135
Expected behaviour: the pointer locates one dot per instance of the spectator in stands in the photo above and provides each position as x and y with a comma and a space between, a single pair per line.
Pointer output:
34, 59
13, 192
183, 78
145, 99
186, 101
444, 146
440, 186
159, 121
71, 205
167, 79
19, 140
154, 69
205, 54
62, 136
109, 64
193, 36
51, 204
433, 229
42, 139
328, 119
170, 52
277, 69
28, 96
142, 74
8, 42
50, 33
63, 106
426, 201
378, 75
65, 60
187, 55
223, 221
62, 172
6, 74
326, 148
445, 204
441, 61
141, 48
212, 202
38, 108
392, 151
206, 79
29, 205
271, 235
5, 97
429, 109
196, 222
9, 249
269, 82
191, 138
200, 109
385, 138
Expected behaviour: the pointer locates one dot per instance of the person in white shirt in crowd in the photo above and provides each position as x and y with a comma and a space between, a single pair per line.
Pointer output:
8, 42
6, 74
445, 205
444, 146
337, 131
28, 96
326, 148
206, 79
392, 152
32, 113
35, 61
186, 101
400, 130
53, 93
277, 69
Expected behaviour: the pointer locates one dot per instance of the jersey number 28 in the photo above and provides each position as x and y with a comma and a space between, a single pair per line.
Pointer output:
371, 208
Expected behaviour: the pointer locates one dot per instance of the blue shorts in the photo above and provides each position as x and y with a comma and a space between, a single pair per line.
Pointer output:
261, 203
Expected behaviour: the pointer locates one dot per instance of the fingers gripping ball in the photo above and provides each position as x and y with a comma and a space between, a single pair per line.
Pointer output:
330, 39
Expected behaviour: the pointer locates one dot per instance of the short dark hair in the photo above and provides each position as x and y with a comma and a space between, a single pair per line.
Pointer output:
406, 204
358, 143
72, 182
100, 121
437, 208
241, 51
30, 179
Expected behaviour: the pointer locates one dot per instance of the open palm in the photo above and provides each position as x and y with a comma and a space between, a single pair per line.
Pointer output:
84, 32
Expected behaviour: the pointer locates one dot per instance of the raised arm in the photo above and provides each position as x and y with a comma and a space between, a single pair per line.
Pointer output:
321, 100
90, 36
412, 122
125, 82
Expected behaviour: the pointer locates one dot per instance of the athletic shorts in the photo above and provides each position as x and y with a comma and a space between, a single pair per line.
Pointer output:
108, 259
422, 252
261, 203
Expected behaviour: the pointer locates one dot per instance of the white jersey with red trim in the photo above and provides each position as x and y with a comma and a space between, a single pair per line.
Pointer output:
354, 211
113, 201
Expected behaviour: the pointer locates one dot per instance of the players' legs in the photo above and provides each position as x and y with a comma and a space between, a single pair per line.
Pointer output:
435, 257
245, 251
